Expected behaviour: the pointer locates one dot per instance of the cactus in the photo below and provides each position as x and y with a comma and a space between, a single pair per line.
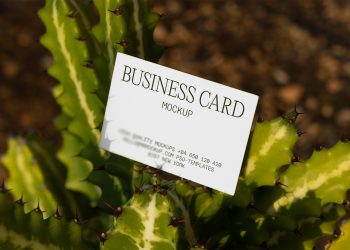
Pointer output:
110, 202
36, 177
143, 224
84, 54
325, 177
20, 230
344, 239
267, 154
82, 109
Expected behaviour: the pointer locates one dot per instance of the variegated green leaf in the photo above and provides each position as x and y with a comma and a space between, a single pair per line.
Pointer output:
78, 83
65, 21
325, 177
81, 89
26, 179
143, 224
207, 204
31, 232
126, 26
343, 241
78, 167
271, 147
54, 173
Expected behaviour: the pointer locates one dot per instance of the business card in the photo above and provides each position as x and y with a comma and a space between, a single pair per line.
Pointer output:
188, 126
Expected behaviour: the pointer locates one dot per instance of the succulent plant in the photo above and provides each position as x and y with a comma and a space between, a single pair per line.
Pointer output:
81, 197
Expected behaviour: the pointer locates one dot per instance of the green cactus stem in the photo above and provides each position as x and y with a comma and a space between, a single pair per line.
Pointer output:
143, 224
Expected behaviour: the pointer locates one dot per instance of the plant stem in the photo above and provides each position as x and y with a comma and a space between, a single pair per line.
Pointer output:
188, 227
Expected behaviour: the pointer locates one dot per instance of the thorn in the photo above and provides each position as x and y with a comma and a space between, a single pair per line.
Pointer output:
200, 246
103, 237
295, 158
280, 184
323, 242
297, 231
344, 139
138, 190
89, 64
57, 214
156, 187
175, 222
81, 38
20, 201
252, 206
123, 43
300, 133
72, 14
207, 189
183, 180
296, 111
145, 168
117, 11
260, 119
283, 168
347, 195
77, 219
38, 209
346, 205
117, 211
292, 116
337, 232
162, 191
3, 189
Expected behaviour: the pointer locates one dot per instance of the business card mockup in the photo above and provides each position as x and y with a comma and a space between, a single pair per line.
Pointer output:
188, 126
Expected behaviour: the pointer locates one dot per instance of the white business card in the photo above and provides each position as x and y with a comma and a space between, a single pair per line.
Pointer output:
191, 127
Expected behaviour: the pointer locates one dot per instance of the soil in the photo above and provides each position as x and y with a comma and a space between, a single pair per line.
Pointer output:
290, 53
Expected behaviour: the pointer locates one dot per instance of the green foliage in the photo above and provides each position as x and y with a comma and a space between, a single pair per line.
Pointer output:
280, 202
271, 148
37, 177
143, 224
343, 242
325, 177
19, 230
78, 82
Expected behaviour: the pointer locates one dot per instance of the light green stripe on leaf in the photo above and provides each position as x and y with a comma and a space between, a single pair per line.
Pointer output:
325, 176
26, 178
271, 147
144, 224
72, 72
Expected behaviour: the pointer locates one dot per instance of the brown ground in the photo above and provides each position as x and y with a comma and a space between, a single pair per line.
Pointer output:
288, 52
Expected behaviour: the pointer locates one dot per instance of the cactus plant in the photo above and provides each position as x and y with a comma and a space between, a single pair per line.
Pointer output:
82, 197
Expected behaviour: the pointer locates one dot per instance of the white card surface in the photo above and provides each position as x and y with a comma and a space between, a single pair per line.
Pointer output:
188, 126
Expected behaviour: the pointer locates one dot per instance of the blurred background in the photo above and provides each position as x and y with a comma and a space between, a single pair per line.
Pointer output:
294, 52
